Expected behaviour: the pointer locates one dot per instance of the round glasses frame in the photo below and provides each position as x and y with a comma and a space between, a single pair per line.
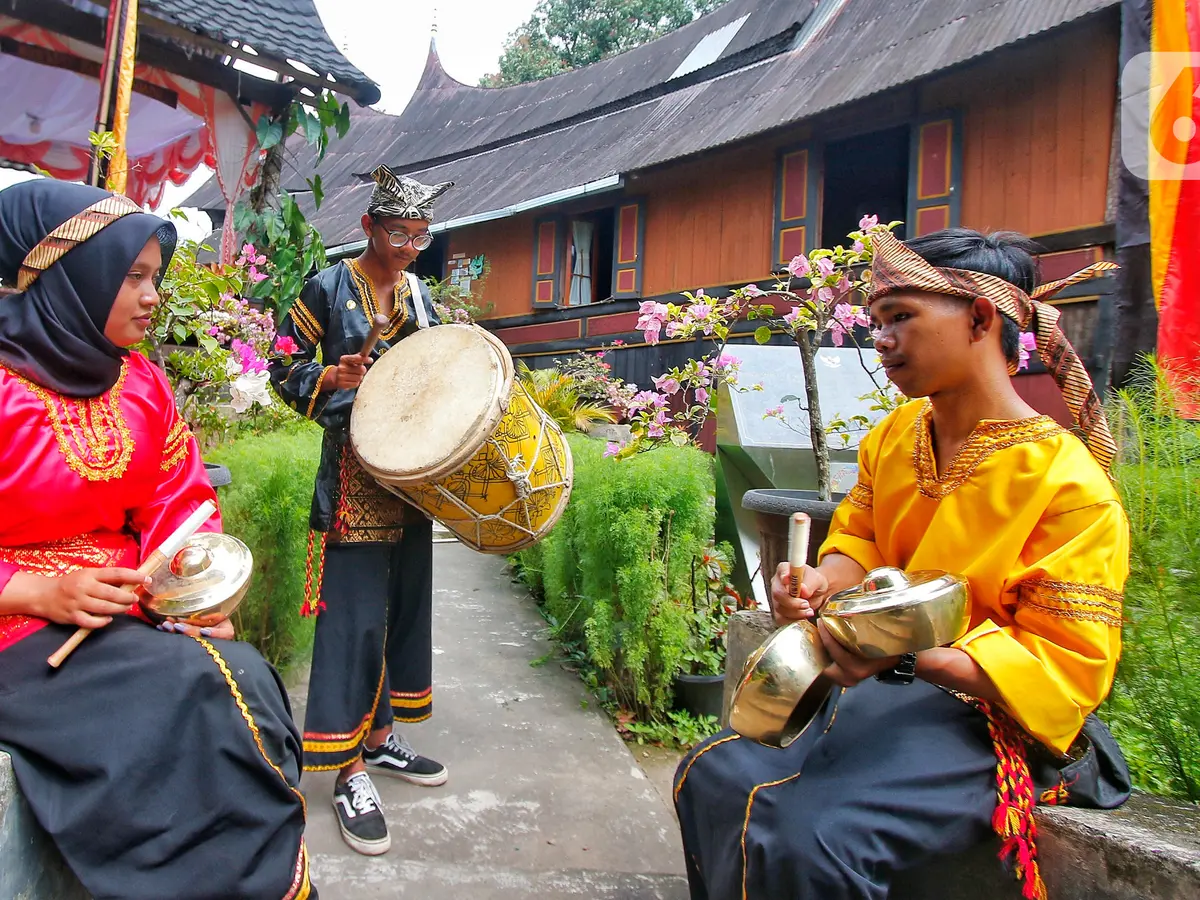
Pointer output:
399, 239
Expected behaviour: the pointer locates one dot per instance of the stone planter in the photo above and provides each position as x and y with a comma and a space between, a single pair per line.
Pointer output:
701, 695
773, 510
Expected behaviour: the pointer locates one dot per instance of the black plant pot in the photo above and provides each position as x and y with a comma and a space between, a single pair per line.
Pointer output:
218, 475
701, 695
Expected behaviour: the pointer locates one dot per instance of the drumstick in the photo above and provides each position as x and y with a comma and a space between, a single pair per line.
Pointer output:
165, 552
381, 322
798, 533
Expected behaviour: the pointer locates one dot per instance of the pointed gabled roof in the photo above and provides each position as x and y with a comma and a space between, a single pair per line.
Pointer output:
446, 118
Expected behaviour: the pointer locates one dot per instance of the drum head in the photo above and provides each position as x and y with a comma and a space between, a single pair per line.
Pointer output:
430, 402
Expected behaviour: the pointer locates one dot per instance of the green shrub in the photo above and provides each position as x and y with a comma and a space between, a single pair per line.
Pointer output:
1154, 709
615, 575
267, 506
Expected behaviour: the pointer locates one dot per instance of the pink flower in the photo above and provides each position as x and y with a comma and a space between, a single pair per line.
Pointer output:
799, 267
700, 294
754, 290
858, 247
674, 328
1028, 345
285, 346
646, 308
701, 395
700, 310
660, 417
825, 295
255, 275
612, 449
260, 260
727, 360
647, 400
773, 413
791, 317
655, 431
651, 335
824, 267
249, 251
868, 222
667, 384
618, 343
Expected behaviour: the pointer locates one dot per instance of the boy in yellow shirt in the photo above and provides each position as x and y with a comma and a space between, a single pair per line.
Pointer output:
921, 755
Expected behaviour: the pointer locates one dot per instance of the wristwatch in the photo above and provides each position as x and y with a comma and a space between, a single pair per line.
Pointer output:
902, 673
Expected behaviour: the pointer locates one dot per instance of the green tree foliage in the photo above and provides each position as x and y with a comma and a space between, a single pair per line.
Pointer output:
566, 34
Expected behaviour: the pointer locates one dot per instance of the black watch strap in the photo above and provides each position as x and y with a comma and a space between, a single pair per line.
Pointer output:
904, 672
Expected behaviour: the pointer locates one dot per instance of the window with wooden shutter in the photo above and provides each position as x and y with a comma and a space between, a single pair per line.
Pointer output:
797, 203
548, 252
935, 174
629, 241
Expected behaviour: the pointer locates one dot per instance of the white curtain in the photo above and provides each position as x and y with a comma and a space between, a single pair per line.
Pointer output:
581, 263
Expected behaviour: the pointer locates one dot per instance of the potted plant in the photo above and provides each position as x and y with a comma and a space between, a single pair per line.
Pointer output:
823, 294
699, 688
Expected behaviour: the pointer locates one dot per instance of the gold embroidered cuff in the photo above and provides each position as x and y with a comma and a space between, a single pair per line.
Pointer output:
312, 400
1071, 600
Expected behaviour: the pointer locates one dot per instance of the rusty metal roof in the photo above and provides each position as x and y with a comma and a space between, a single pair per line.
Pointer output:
282, 29
868, 47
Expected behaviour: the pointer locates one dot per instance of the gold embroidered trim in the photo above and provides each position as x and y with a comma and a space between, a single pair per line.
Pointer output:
987, 438
1072, 600
301, 888
248, 716
312, 401
861, 496
370, 303
177, 444
81, 227
306, 323
92, 434
61, 557
746, 824
366, 512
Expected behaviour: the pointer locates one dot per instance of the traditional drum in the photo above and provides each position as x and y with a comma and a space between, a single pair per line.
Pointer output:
891, 613
441, 420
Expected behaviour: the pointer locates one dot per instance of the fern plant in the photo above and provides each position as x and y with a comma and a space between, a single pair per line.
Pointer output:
559, 394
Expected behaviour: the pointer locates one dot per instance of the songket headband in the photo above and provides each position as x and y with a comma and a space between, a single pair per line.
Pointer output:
897, 268
81, 227
403, 197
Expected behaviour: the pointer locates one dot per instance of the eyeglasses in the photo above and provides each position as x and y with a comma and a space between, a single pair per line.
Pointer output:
399, 239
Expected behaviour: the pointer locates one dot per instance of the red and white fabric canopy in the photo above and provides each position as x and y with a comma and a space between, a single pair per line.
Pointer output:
47, 113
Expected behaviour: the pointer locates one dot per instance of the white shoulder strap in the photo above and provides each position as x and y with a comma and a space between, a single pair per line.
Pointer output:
414, 286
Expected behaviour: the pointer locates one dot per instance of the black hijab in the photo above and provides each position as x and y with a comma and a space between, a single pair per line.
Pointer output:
53, 332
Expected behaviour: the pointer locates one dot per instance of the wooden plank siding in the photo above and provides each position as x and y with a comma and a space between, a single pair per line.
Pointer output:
1039, 124
508, 245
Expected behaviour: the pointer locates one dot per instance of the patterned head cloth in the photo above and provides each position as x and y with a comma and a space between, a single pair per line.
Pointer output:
897, 268
398, 195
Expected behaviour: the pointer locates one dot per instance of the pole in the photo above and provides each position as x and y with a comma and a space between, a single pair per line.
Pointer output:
116, 92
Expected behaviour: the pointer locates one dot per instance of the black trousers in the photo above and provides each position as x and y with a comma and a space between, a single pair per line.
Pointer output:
373, 650
886, 778
162, 766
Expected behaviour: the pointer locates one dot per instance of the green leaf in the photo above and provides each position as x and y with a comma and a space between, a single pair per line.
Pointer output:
789, 398
342, 125
269, 133
762, 334
180, 333
312, 127
318, 190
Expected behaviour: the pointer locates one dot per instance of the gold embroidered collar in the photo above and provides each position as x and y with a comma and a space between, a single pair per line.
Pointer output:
989, 436
370, 303
92, 433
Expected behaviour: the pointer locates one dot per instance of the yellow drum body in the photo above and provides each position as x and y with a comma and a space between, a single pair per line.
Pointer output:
441, 420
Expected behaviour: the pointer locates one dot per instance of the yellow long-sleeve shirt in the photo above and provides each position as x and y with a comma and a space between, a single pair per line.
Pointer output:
1036, 527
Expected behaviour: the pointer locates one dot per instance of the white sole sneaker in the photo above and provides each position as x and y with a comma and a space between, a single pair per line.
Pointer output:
424, 780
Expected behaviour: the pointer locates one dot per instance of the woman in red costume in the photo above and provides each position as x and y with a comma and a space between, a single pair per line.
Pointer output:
162, 765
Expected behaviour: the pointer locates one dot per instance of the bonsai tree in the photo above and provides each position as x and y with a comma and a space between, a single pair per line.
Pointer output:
822, 292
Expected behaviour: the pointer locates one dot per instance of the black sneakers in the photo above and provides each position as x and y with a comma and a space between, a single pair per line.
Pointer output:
395, 757
359, 816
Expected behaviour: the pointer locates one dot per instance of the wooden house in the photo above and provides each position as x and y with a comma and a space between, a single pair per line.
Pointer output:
711, 156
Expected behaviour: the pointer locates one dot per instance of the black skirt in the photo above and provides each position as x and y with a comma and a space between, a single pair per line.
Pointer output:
161, 765
886, 778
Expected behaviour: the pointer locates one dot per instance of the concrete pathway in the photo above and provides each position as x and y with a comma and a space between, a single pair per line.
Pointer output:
544, 799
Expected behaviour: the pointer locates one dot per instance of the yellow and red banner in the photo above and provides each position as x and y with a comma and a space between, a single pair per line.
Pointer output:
1175, 190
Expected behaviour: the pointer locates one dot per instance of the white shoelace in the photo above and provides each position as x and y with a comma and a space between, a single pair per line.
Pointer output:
401, 746
362, 794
